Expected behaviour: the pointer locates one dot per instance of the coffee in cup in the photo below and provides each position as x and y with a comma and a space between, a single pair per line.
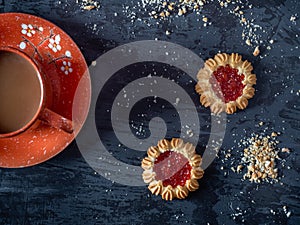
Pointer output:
20, 92
23, 96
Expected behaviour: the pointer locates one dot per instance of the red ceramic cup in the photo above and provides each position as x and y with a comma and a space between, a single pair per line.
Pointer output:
48, 95
25, 96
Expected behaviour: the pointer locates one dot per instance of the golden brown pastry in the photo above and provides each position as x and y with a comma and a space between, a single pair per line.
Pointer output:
225, 83
172, 169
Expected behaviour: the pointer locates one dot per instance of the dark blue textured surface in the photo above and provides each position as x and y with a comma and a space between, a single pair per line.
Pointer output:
65, 190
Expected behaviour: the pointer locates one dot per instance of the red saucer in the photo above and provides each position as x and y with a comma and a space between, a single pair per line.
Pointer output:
65, 67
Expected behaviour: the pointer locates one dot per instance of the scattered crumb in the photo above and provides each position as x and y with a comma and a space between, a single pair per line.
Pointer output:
239, 168
228, 155
272, 212
177, 100
256, 51
287, 150
88, 4
248, 42
252, 33
190, 133
285, 210
168, 32
94, 63
243, 20
293, 18
160, 11
89, 7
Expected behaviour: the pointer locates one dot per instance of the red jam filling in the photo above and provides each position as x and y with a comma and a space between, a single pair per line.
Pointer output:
172, 168
229, 81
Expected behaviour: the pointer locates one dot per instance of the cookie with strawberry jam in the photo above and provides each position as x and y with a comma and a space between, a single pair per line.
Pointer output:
172, 169
225, 83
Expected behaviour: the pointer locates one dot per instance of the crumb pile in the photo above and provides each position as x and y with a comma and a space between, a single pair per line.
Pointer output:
260, 158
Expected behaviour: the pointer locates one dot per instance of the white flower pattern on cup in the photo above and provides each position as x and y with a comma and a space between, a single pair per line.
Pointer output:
27, 30
54, 43
23, 45
66, 68
68, 54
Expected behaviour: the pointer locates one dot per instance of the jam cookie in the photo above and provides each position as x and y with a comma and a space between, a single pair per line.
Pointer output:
172, 169
225, 83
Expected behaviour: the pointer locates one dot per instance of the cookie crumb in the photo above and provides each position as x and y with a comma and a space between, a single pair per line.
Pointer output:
293, 18
88, 4
94, 63
239, 168
256, 51
285, 210
287, 150
248, 42
259, 157
89, 7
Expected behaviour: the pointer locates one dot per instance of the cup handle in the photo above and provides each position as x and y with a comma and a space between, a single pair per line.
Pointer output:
56, 120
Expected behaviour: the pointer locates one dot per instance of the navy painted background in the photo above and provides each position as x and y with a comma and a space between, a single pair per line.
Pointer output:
65, 190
